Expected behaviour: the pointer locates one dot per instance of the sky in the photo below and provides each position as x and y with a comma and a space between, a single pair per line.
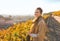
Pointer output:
27, 7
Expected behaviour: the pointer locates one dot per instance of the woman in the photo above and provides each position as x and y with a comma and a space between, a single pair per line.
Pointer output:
39, 27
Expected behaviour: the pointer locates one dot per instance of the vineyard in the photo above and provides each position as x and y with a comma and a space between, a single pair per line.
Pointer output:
19, 31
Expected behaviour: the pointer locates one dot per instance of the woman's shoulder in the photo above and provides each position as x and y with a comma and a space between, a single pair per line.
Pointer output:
41, 20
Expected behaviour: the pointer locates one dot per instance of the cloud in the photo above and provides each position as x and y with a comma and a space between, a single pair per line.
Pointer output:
52, 1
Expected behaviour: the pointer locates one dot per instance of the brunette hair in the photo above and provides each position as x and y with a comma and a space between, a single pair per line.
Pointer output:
40, 9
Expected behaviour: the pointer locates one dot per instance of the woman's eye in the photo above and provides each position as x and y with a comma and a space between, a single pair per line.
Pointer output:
36, 12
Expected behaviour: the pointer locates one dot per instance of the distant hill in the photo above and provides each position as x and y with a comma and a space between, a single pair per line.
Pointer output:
6, 21
56, 13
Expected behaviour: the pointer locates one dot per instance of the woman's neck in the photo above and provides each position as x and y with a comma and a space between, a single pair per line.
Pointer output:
36, 18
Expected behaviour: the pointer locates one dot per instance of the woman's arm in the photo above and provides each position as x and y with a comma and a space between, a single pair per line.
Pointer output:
42, 28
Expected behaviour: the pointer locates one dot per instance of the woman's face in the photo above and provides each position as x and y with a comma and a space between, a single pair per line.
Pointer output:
37, 13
